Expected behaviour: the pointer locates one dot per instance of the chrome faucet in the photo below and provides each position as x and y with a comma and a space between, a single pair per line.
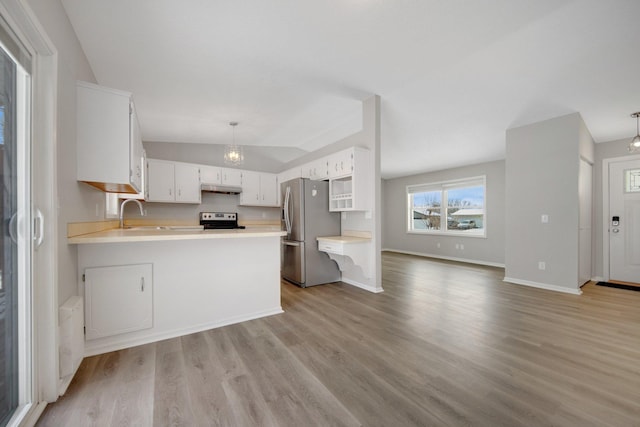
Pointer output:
124, 202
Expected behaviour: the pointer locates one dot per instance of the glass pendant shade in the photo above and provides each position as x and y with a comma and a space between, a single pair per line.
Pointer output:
233, 154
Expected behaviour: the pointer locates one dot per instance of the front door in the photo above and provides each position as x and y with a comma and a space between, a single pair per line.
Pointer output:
624, 221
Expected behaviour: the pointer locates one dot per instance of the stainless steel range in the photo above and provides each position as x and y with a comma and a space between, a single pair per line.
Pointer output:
219, 220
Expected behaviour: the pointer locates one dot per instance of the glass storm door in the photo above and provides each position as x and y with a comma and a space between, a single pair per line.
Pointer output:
15, 246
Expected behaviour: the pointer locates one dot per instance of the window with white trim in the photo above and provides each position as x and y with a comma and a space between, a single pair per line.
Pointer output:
462, 202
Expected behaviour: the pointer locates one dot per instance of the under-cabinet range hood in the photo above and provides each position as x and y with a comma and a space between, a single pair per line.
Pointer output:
223, 189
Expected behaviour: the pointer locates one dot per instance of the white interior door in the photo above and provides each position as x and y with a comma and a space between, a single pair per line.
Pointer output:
624, 221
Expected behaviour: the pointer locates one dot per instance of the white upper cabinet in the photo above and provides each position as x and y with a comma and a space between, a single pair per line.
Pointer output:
318, 170
210, 175
231, 177
250, 195
172, 182
160, 181
109, 144
187, 180
269, 189
341, 163
348, 187
259, 189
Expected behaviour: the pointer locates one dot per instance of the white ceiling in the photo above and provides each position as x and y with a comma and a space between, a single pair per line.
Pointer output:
452, 75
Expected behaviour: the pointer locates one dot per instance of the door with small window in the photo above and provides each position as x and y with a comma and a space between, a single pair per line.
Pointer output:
624, 221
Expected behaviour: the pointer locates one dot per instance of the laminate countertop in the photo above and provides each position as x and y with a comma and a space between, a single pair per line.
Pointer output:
160, 233
344, 239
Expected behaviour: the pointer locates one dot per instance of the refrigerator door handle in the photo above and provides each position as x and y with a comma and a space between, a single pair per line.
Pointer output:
287, 216
287, 243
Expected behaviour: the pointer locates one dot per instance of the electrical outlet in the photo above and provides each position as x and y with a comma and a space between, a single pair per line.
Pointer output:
544, 218
542, 265
438, 245
461, 247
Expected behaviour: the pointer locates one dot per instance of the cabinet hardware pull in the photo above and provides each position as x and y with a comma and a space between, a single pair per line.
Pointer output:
142, 284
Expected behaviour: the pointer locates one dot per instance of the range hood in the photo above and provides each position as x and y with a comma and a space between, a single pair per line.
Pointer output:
223, 189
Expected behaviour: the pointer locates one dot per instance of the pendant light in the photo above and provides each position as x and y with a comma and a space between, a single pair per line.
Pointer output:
634, 145
233, 154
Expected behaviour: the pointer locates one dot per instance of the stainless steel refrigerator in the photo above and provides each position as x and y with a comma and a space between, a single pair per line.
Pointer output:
305, 216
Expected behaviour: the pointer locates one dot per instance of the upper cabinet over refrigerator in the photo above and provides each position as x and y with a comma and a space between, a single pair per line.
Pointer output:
109, 144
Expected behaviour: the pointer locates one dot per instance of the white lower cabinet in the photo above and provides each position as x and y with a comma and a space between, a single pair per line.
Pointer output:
118, 299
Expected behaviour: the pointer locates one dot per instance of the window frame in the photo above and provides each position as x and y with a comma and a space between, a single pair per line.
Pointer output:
443, 187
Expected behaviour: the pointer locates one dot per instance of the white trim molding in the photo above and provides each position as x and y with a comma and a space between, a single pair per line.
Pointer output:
362, 286
545, 286
447, 258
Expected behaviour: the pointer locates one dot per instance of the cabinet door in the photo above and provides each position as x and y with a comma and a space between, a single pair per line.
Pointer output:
187, 178
103, 138
321, 169
232, 177
307, 170
269, 189
341, 163
250, 195
137, 151
118, 299
160, 181
210, 175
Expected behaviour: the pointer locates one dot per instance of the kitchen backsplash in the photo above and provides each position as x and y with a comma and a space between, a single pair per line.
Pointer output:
211, 202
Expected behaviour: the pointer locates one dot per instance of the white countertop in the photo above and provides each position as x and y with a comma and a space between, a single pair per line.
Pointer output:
152, 234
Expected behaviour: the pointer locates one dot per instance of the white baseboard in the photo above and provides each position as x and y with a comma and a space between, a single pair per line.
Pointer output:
92, 350
362, 286
447, 258
542, 286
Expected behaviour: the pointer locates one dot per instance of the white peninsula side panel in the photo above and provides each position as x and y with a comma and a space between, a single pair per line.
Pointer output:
197, 284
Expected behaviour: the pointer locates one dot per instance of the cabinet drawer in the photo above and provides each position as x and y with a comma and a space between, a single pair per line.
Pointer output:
331, 247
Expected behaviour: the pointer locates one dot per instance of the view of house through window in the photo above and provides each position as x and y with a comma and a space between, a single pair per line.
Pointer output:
461, 202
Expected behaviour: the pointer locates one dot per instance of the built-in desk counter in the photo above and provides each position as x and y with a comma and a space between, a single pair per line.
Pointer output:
347, 250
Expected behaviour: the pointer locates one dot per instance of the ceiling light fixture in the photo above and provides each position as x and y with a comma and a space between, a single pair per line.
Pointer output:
233, 154
634, 145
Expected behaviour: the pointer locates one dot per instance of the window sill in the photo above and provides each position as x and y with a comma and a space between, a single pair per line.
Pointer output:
449, 233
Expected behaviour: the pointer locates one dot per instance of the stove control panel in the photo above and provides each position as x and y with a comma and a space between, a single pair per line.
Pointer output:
218, 216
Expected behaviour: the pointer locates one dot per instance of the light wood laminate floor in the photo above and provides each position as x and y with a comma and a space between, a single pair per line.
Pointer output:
446, 344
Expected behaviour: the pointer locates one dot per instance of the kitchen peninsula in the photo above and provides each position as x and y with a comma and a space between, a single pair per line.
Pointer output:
147, 284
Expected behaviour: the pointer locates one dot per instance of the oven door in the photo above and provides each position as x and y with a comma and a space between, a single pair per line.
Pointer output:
293, 262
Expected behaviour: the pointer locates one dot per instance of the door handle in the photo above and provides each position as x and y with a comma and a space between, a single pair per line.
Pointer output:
13, 229
290, 243
38, 225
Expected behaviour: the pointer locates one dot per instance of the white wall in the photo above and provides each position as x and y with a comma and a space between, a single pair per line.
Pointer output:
76, 202
542, 178
262, 159
489, 250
